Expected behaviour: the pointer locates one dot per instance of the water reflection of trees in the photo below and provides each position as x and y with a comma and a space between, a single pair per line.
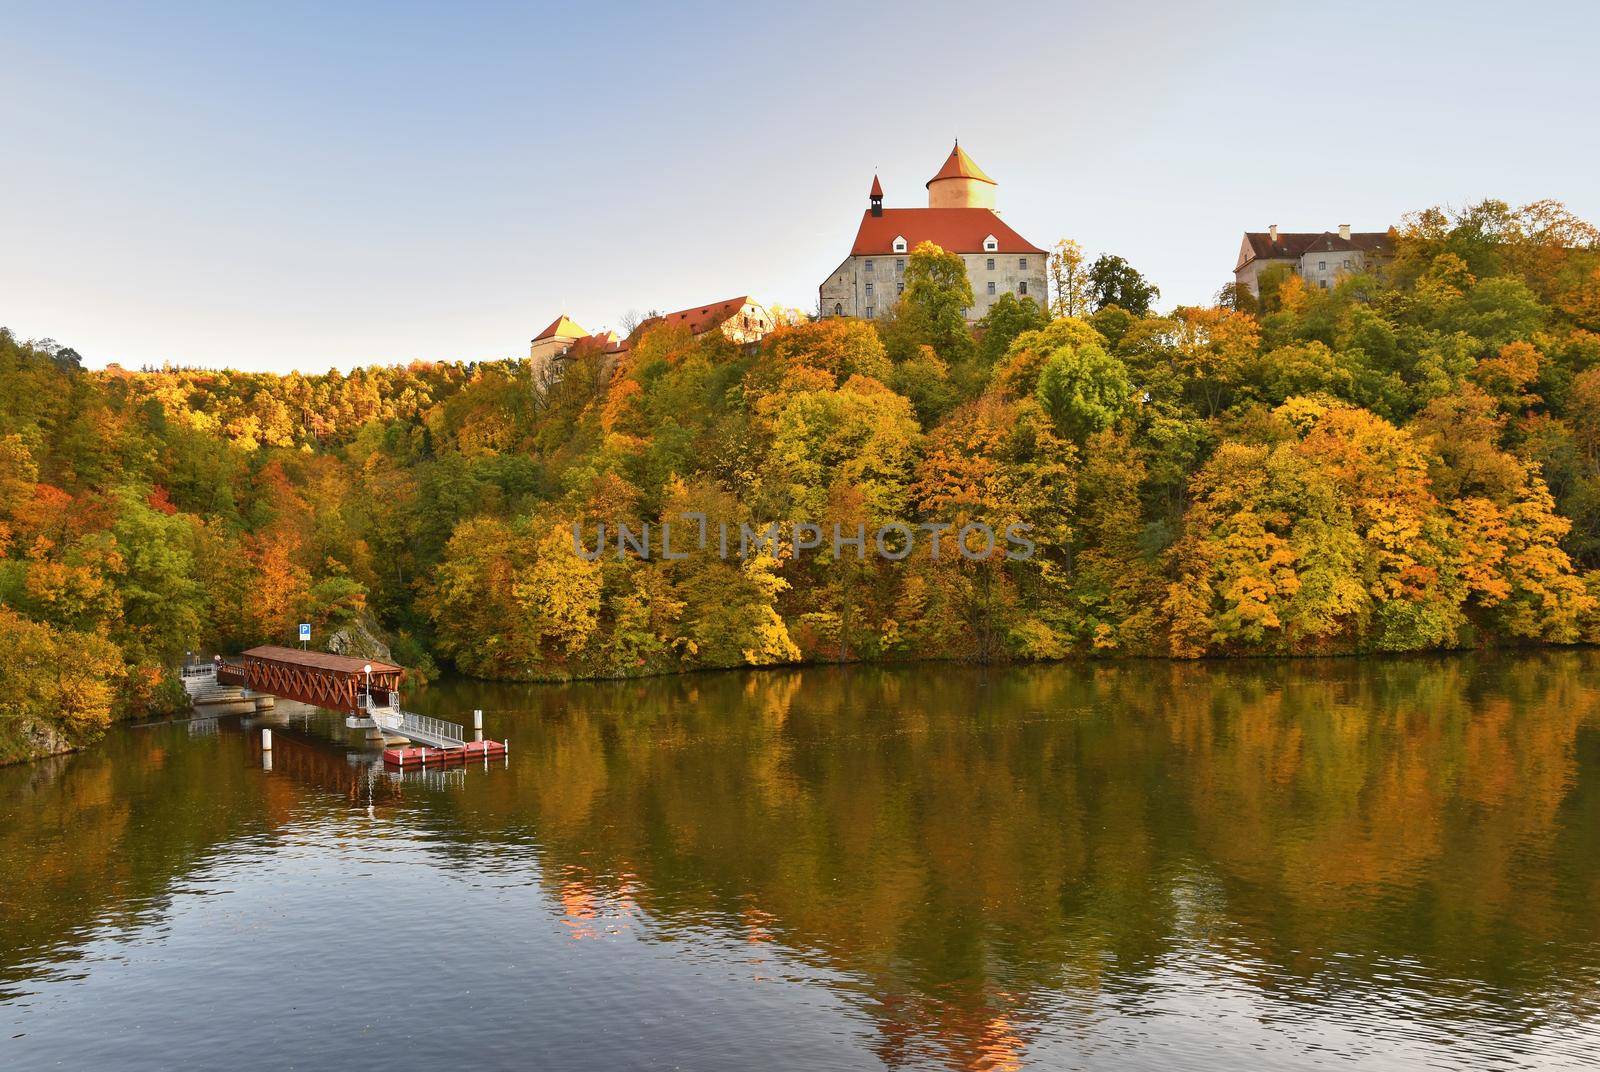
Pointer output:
966, 848
96, 840
965, 844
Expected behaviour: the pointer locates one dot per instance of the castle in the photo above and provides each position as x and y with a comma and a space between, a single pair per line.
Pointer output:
741, 320
1319, 257
960, 218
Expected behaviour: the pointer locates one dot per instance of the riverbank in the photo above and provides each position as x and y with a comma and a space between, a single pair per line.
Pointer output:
27, 741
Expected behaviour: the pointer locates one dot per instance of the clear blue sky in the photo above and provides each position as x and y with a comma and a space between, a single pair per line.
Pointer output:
282, 186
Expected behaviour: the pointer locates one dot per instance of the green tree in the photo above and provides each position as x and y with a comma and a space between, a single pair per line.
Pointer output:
933, 309
1238, 297
162, 602
1113, 281
1007, 318
1084, 389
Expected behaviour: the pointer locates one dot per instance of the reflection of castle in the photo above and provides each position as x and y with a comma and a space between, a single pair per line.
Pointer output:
959, 1032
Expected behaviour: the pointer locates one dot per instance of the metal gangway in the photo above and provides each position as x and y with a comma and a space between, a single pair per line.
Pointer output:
423, 729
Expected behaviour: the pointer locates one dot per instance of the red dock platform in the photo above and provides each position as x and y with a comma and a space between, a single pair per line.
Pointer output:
426, 757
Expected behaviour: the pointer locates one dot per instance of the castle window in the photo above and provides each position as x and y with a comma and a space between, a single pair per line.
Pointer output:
990, 245
899, 245
1322, 266
990, 265
868, 265
1022, 262
1022, 287
899, 288
838, 308
991, 286
869, 290
900, 264
869, 311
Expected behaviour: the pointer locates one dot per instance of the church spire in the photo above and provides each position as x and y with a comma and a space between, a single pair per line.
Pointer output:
876, 196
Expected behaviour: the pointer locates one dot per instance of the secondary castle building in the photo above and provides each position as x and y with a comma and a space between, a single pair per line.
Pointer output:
960, 218
741, 320
1320, 257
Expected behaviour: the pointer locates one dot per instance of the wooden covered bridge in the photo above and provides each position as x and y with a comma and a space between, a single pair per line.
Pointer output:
367, 690
337, 682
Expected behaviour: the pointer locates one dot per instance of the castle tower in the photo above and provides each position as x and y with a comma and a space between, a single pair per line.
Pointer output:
551, 345
961, 184
556, 339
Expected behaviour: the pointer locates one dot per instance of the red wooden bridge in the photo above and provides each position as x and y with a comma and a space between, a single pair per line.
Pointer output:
369, 691
336, 682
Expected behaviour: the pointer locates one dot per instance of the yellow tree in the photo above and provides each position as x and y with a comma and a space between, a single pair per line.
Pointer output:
1069, 281
559, 591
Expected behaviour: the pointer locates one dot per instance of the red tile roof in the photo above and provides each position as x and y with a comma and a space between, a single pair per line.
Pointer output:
605, 343
320, 660
699, 320
959, 230
877, 188
960, 166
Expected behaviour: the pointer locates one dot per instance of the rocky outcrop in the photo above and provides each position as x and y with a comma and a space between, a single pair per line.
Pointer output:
361, 639
28, 739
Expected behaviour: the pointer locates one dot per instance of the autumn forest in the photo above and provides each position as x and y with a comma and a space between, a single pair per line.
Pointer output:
1407, 461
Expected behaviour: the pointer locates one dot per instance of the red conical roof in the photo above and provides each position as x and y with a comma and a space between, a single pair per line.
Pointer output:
877, 187
960, 166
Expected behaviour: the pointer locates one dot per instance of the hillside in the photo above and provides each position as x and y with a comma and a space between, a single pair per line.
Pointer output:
1402, 463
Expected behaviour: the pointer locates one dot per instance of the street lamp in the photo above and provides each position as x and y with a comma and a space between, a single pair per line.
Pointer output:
368, 670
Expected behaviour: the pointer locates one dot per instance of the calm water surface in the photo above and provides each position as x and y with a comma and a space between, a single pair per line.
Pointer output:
1287, 865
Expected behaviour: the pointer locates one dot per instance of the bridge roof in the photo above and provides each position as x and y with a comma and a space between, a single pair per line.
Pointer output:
342, 664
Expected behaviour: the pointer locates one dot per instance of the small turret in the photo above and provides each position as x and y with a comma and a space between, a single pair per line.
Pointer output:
876, 197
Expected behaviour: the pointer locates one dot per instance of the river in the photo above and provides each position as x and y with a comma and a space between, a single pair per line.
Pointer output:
1310, 864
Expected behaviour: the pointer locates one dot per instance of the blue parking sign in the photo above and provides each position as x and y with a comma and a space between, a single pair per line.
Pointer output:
305, 630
